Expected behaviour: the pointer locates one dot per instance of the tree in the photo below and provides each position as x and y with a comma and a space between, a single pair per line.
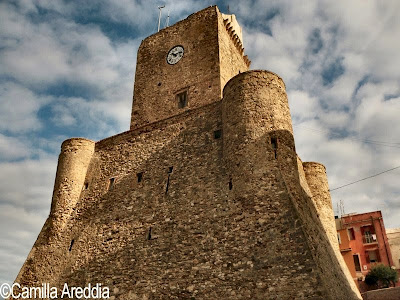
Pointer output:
381, 276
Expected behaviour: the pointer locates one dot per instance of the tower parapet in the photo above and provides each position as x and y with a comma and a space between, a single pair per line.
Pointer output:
258, 151
256, 118
262, 165
318, 183
235, 32
73, 163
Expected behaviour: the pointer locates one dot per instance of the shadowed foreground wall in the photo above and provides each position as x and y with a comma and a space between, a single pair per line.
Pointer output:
207, 202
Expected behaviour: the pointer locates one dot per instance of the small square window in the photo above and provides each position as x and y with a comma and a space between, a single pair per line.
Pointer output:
139, 177
71, 244
111, 184
182, 99
217, 134
274, 143
373, 256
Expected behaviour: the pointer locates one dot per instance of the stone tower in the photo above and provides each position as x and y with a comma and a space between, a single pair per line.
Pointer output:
204, 197
212, 53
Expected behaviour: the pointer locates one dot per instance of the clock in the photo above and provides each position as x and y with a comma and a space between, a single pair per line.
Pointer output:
174, 55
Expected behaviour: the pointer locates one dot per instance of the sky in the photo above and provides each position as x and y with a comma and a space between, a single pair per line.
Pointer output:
67, 70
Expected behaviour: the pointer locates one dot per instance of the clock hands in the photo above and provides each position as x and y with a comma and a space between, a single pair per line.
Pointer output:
175, 54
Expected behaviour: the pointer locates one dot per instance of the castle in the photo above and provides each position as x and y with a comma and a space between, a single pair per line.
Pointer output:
204, 197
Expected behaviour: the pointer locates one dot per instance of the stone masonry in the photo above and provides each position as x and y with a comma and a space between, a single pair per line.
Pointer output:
205, 201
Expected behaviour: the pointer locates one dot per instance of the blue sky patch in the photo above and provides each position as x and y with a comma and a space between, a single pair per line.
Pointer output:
315, 41
333, 71
71, 89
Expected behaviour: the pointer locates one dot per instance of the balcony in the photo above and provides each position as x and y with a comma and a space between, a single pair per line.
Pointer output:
369, 239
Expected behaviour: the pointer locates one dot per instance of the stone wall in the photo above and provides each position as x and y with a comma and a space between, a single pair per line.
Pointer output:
383, 294
212, 216
317, 181
259, 114
250, 121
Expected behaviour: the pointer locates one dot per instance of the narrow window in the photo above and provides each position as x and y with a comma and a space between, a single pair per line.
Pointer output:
167, 186
339, 239
357, 262
351, 234
230, 184
70, 246
274, 143
182, 99
170, 169
149, 234
86, 186
111, 184
139, 177
217, 134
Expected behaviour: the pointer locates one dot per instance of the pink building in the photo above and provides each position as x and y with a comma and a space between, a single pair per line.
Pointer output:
367, 241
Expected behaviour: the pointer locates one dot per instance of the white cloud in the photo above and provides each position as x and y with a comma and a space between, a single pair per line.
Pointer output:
28, 183
19, 108
303, 107
19, 231
61, 50
25, 189
12, 148
145, 14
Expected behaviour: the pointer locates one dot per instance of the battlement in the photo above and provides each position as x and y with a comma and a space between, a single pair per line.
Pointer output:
235, 32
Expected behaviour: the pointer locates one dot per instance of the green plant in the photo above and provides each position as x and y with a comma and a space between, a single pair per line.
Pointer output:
381, 276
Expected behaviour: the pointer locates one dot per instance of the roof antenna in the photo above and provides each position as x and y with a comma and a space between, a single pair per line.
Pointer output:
167, 20
341, 207
159, 17
229, 12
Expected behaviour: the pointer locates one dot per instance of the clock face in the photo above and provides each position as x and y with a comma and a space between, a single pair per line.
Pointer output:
174, 55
